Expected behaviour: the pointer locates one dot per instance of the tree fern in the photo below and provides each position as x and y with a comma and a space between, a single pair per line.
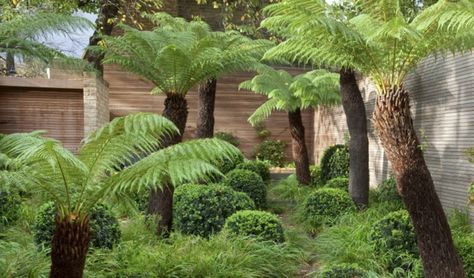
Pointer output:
20, 35
380, 42
108, 163
288, 93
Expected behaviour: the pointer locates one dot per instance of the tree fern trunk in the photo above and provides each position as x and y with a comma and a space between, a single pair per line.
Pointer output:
300, 152
356, 118
161, 201
206, 101
69, 247
394, 125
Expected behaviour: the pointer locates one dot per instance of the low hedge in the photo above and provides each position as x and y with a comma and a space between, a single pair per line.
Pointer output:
259, 224
339, 183
334, 163
202, 209
324, 206
250, 183
259, 167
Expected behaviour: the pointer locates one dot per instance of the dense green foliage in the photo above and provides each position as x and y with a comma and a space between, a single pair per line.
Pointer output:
229, 163
316, 176
259, 224
387, 191
339, 182
343, 271
381, 39
272, 151
104, 227
256, 166
77, 182
324, 206
202, 209
228, 137
465, 246
250, 183
394, 237
10, 207
334, 162
185, 53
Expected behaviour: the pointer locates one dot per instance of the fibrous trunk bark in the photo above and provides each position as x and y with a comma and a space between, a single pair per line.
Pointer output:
10, 63
356, 119
394, 125
300, 152
69, 246
206, 101
161, 200
104, 26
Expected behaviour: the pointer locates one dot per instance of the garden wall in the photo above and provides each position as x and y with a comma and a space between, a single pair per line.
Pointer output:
66, 109
443, 111
129, 94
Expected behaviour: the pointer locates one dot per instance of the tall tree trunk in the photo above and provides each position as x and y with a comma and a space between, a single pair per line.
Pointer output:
161, 201
69, 247
356, 118
206, 101
300, 152
394, 125
104, 26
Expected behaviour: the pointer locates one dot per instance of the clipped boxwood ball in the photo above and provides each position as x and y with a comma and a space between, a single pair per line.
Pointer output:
259, 224
104, 227
394, 235
10, 208
334, 163
339, 182
325, 205
387, 191
343, 271
250, 183
315, 176
202, 209
228, 164
256, 166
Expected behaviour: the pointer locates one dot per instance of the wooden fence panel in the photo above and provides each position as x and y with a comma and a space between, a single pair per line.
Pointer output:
129, 94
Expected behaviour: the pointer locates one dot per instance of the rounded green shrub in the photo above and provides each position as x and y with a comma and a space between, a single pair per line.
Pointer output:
334, 162
325, 205
394, 235
387, 191
272, 151
316, 176
259, 224
104, 227
259, 167
464, 243
339, 182
250, 183
228, 137
10, 207
343, 271
202, 209
228, 164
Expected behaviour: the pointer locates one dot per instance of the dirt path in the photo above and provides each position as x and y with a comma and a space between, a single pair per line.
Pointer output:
286, 211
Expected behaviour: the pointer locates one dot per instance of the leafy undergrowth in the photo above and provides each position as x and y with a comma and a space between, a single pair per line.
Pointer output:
142, 254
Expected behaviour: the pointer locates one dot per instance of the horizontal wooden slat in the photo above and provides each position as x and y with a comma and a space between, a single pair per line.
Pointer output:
37, 83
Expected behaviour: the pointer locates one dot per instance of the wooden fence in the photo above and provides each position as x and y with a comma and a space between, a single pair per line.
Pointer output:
129, 94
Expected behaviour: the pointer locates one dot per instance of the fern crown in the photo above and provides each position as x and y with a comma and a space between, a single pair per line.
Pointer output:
381, 41
177, 55
288, 93
114, 161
